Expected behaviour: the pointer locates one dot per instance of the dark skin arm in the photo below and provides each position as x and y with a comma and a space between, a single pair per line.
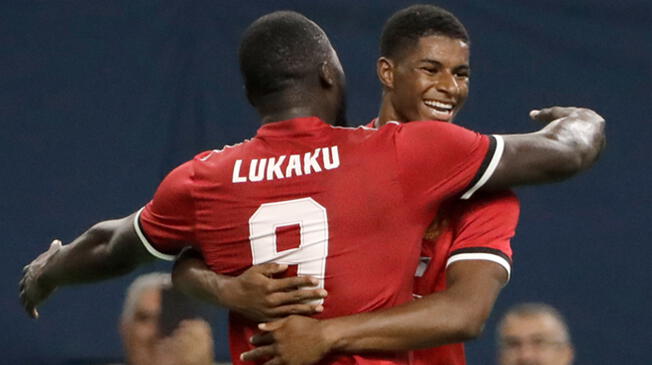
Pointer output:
254, 293
570, 143
454, 315
109, 249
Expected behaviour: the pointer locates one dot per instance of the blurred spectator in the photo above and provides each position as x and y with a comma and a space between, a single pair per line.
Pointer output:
190, 341
534, 334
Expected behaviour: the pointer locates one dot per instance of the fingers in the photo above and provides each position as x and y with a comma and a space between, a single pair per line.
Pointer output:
275, 361
258, 353
270, 269
552, 113
293, 282
296, 296
298, 309
56, 244
262, 339
27, 304
273, 325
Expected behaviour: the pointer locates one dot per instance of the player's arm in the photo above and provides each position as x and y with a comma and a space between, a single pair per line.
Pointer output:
570, 143
108, 249
115, 247
254, 293
455, 315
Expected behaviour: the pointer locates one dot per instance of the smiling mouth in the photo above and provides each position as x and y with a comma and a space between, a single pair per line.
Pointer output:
441, 110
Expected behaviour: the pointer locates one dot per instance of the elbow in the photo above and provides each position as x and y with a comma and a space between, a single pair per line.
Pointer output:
465, 324
179, 277
469, 329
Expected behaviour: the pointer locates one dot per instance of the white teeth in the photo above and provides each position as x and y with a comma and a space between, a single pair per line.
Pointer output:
437, 104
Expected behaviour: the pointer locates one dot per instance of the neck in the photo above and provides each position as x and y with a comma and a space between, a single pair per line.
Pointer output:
290, 113
387, 112
276, 108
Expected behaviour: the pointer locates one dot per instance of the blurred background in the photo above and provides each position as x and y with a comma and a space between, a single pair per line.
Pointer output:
100, 99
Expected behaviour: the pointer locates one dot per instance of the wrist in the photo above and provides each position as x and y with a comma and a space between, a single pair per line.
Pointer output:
224, 290
47, 278
332, 335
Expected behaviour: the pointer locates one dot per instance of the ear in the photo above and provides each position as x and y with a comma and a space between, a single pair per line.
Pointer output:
385, 72
326, 74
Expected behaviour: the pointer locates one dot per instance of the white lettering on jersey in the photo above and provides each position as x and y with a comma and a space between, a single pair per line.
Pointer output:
236, 172
274, 168
328, 164
294, 165
310, 161
326, 158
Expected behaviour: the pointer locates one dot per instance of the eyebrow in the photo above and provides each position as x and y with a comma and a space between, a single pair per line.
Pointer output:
437, 63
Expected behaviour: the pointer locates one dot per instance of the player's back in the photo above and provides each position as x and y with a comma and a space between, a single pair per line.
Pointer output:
348, 206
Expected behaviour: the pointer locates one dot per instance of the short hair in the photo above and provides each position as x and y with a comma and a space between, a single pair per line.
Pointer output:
534, 309
279, 49
154, 280
405, 27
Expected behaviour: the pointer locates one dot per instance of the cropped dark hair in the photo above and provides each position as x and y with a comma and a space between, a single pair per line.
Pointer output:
405, 27
279, 49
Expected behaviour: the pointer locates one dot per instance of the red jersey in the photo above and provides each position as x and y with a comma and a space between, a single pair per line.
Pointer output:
298, 193
477, 229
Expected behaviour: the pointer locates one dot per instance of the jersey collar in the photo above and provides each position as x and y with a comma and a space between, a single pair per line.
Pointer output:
292, 127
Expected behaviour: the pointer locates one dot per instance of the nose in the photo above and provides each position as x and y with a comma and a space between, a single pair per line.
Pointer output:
447, 83
527, 356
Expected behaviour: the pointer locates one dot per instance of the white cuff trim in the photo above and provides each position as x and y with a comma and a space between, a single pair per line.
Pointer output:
148, 246
482, 256
495, 159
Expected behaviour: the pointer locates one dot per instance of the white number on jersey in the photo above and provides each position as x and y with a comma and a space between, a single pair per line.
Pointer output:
312, 219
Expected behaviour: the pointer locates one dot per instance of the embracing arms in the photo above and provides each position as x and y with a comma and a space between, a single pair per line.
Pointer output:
570, 143
254, 294
454, 315
108, 249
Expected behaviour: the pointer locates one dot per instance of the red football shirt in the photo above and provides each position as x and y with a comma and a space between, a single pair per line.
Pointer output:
477, 229
299, 193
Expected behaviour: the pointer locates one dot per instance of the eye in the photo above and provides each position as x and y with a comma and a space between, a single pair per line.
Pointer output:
429, 70
463, 74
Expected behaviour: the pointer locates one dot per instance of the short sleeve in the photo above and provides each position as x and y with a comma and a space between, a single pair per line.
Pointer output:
439, 160
166, 224
483, 228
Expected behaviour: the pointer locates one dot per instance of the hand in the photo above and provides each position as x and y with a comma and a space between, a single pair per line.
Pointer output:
295, 340
190, 344
259, 297
33, 289
548, 115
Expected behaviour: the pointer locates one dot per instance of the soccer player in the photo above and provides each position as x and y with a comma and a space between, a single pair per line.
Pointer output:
424, 68
300, 177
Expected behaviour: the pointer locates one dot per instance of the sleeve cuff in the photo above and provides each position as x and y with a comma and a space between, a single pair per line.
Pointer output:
146, 243
497, 257
495, 152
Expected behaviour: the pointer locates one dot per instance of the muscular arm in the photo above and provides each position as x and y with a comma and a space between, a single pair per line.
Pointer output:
570, 143
254, 293
454, 315
108, 249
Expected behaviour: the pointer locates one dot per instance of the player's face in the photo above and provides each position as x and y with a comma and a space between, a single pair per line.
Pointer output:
533, 340
141, 332
431, 80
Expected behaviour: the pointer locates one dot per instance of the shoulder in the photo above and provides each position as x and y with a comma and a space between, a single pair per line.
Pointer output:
489, 202
486, 212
